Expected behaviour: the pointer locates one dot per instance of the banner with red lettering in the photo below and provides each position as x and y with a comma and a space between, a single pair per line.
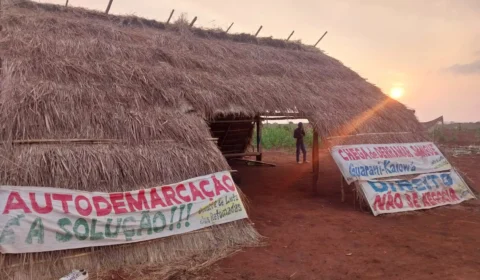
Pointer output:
38, 219
422, 192
364, 162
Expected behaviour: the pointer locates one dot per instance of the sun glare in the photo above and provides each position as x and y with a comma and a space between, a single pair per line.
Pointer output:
396, 92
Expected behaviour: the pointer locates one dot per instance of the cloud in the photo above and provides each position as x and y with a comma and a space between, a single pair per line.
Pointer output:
466, 69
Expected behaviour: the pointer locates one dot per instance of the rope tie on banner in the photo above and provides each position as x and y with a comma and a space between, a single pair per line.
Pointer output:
368, 134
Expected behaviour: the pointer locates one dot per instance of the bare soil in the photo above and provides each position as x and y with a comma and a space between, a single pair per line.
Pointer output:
319, 237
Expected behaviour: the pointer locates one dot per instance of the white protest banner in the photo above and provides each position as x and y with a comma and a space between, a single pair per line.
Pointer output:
422, 192
38, 219
363, 162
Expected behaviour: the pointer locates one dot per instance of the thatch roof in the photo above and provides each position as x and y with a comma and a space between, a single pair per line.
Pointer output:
71, 73
433, 123
133, 68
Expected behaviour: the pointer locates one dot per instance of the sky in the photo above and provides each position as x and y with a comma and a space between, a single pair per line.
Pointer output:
426, 52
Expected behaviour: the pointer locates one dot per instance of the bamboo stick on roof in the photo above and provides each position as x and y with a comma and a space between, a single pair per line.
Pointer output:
109, 6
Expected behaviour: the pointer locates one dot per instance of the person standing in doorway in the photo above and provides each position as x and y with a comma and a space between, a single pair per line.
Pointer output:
299, 134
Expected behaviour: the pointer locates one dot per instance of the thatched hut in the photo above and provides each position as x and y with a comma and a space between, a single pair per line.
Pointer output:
430, 126
97, 102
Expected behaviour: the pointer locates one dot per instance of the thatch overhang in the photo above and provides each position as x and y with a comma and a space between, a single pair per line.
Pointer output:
87, 60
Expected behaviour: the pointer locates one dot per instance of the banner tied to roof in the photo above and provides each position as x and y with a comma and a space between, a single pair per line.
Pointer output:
422, 192
39, 219
364, 162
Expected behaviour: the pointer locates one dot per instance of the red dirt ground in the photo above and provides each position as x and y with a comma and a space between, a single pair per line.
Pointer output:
319, 237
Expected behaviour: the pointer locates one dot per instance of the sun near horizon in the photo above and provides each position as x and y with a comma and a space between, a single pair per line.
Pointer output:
397, 92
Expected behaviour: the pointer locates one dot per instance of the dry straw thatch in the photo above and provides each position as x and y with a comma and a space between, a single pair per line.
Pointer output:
70, 73
86, 60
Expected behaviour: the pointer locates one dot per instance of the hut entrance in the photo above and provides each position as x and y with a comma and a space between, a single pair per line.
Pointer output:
235, 133
234, 136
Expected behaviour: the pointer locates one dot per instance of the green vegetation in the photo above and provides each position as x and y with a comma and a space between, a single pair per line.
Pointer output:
280, 136
458, 135
463, 126
438, 135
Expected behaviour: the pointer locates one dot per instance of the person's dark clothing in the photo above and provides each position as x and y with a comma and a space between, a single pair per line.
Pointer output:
299, 134
301, 147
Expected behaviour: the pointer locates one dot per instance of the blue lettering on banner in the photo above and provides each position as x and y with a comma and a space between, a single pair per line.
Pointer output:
385, 167
405, 185
375, 186
394, 168
427, 183
447, 179
419, 184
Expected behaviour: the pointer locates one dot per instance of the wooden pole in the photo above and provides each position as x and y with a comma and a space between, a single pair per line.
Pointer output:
255, 161
281, 118
241, 155
315, 162
232, 130
66, 4
228, 29
320, 38
170, 17
193, 21
313, 153
314, 150
83, 141
284, 114
367, 134
342, 189
258, 31
234, 121
225, 135
109, 6
259, 138
290, 35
